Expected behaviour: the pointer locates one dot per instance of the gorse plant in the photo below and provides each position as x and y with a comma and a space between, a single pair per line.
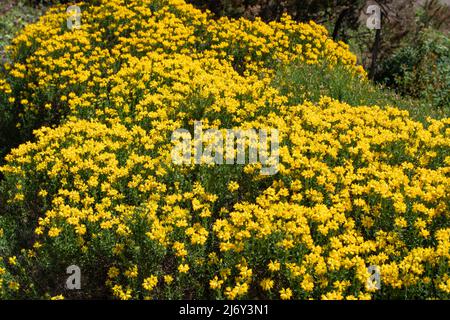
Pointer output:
356, 186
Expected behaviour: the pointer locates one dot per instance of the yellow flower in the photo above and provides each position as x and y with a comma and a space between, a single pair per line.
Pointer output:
150, 283
180, 249
38, 231
267, 284
43, 193
122, 294
132, 272
246, 273
12, 260
233, 186
81, 229
168, 279
215, 283
54, 232
274, 266
37, 245
307, 284
285, 294
183, 268
113, 272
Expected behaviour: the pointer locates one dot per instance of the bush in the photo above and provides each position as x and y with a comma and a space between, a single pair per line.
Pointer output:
302, 82
356, 185
422, 70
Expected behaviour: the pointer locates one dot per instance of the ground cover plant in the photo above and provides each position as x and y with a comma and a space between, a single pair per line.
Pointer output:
359, 182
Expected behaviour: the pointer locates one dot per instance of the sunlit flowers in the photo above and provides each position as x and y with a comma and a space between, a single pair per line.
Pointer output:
357, 186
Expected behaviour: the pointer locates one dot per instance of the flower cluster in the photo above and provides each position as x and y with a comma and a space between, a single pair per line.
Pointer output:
356, 185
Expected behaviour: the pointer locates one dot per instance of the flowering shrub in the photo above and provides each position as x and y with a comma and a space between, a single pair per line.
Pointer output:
96, 187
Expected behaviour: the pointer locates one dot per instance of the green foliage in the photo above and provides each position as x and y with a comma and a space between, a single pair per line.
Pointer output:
422, 70
302, 82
